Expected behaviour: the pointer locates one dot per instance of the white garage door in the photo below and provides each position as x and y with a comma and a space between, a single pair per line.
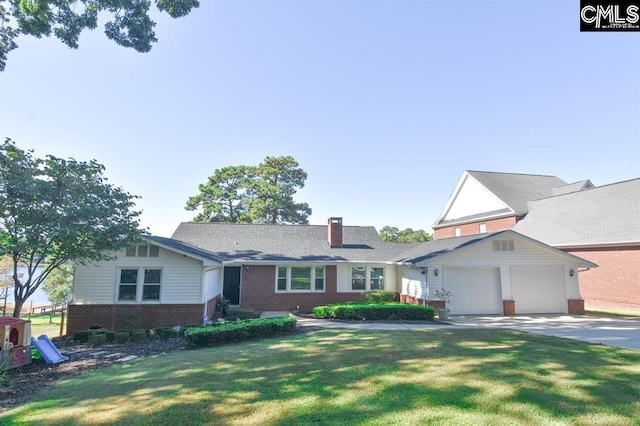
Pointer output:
539, 290
475, 291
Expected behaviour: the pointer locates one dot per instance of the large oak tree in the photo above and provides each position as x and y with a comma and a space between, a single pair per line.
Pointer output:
129, 24
53, 211
253, 194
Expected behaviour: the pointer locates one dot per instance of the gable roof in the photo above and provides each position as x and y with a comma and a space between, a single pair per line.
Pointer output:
572, 187
516, 189
182, 247
287, 243
436, 248
506, 193
608, 214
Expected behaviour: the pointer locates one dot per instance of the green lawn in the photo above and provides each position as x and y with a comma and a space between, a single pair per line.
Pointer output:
45, 324
472, 377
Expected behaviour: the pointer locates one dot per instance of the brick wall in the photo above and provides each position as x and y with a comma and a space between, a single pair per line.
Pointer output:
615, 284
258, 293
493, 225
128, 317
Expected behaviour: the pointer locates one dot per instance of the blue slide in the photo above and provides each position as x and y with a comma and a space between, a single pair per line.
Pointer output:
48, 351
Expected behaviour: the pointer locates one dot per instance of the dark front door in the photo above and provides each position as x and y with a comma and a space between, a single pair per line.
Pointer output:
231, 285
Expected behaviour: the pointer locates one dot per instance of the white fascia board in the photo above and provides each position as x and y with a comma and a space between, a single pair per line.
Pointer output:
583, 245
206, 261
452, 198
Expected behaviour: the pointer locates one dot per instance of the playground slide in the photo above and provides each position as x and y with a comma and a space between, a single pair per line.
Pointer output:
47, 349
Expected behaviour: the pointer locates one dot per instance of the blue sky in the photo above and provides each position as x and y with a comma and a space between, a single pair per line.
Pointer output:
383, 103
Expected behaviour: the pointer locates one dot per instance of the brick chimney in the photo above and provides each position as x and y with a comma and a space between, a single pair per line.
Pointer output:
335, 232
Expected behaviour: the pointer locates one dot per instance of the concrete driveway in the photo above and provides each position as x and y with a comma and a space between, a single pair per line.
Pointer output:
613, 331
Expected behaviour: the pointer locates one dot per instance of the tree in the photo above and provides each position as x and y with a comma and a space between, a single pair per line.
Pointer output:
276, 181
5, 281
224, 198
59, 285
54, 210
253, 194
130, 24
408, 235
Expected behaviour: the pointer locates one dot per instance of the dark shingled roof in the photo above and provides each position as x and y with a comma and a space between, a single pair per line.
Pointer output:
606, 214
266, 242
181, 246
516, 189
435, 248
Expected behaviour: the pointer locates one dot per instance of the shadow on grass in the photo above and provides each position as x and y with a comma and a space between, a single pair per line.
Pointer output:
342, 377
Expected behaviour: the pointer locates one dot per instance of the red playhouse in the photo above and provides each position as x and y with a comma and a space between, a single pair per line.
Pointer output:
15, 341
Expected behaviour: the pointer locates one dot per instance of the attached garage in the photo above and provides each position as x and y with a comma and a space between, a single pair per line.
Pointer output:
475, 290
539, 290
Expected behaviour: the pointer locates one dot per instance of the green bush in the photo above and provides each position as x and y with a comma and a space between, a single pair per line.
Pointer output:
137, 335
110, 336
374, 311
168, 333
379, 296
97, 339
238, 330
83, 335
121, 337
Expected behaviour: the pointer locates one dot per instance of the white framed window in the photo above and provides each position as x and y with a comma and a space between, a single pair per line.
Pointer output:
483, 228
456, 232
503, 245
143, 250
139, 284
364, 278
300, 279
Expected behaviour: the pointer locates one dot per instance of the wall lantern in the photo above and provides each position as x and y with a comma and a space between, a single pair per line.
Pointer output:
436, 272
424, 271
572, 272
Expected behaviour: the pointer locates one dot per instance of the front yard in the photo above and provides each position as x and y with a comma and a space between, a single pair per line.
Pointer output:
355, 377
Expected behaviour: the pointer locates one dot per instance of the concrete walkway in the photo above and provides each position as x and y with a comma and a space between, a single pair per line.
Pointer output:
622, 332
612, 331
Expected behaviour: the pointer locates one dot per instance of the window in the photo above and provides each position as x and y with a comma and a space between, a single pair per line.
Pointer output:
456, 232
358, 278
149, 281
502, 245
300, 278
319, 284
151, 287
376, 278
143, 250
128, 284
362, 281
282, 278
483, 228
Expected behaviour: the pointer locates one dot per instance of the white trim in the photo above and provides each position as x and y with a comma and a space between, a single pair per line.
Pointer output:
139, 285
367, 278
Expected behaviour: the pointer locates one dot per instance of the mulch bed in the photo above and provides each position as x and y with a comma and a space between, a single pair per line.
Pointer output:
22, 384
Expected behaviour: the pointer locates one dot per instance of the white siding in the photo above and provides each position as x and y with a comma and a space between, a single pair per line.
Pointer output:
182, 278
413, 282
473, 198
344, 276
525, 255
212, 283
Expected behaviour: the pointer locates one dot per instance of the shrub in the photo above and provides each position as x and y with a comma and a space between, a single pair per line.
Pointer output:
138, 335
238, 330
375, 311
379, 296
83, 335
121, 337
110, 336
97, 339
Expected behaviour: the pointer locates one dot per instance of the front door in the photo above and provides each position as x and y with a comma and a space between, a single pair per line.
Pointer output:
231, 285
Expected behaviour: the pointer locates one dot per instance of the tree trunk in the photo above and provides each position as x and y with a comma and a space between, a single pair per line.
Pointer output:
18, 307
